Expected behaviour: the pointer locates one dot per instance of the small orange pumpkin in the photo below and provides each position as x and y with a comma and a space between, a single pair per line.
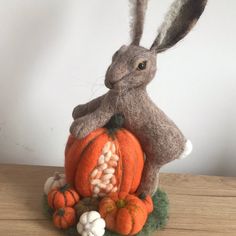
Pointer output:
109, 159
147, 200
123, 213
64, 218
62, 197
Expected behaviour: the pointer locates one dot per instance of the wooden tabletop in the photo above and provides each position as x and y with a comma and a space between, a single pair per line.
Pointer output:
199, 205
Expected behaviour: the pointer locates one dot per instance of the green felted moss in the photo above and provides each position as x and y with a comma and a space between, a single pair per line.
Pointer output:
156, 220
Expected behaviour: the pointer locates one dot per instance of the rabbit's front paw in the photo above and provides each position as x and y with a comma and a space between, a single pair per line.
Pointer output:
78, 128
78, 111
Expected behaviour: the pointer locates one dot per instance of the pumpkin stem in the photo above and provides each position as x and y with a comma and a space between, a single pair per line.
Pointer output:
64, 188
56, 176
116, 122
120, 203
60, 212
142, 196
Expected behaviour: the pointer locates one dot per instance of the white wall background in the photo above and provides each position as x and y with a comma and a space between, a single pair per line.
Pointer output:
54, 55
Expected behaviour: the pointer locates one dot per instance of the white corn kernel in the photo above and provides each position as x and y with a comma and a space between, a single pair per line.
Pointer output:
107, 176
101, 160
115, 157
95, 181
109, 171
108, 156
96, 190
102, 167
113, 148
106, 148
112, 163
94, 173
114, 190
106, 181
99, 174
102, 185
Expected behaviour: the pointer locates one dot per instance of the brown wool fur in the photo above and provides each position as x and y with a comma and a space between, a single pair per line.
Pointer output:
160, 138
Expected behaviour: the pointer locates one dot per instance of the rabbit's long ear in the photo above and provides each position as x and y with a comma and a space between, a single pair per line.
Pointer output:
180, 19
138, 10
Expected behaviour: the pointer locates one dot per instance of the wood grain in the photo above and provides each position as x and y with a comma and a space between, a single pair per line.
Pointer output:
199, 205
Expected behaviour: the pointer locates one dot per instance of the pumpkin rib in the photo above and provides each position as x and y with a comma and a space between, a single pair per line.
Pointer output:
132, 220
119, 217
56, 220
134, 203
64, 224
65, 198
107, 201
126, 152
53, 199
72, 156
120, 169
85, 167
60, 221
139, 162
134, 169
65, 219
68, 217
69, 143
82, 154
72, 194
135, 224
70, 200
79, 145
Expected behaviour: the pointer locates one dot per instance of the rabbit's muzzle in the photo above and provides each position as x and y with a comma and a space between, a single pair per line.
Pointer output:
114, 74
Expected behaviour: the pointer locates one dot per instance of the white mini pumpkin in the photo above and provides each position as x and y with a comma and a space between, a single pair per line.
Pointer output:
56, 181
91, 224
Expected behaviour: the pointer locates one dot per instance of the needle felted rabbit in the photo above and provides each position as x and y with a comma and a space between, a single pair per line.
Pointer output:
132, 68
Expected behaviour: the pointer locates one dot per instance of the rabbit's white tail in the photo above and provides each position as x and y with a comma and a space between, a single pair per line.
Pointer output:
187, 150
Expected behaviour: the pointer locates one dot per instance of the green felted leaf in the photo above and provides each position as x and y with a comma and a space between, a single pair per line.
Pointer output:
156, 220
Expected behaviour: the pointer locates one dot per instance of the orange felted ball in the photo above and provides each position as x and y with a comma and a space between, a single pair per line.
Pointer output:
64, 218
123, 213
62, 197
109, 159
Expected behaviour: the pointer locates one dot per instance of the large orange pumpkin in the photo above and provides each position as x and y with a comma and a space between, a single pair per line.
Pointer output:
109, 159
123, 213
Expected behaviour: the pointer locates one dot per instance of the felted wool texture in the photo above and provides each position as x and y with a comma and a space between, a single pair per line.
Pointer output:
137, 12
128, 219
160, 138
81, 158
176, 25
73, 151
62, 197
157, 220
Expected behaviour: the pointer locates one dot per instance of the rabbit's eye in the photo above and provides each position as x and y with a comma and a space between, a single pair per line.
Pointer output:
142, 65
